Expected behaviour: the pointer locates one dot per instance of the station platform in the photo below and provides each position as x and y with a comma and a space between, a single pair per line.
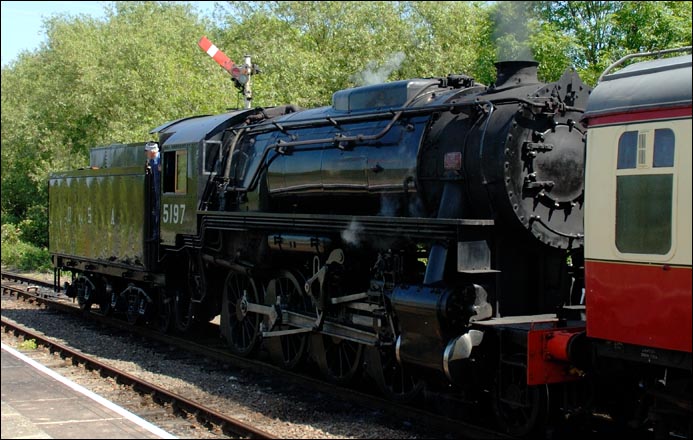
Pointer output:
39, 403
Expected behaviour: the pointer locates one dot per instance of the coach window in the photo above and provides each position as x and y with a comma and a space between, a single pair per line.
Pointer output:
627, 150
176, 171
663, 148
644, 192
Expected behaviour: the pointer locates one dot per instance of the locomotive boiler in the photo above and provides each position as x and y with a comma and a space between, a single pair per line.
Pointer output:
420, 230
437, 148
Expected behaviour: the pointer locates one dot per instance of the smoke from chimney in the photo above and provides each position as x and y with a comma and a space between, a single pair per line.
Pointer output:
374, 75
511, 32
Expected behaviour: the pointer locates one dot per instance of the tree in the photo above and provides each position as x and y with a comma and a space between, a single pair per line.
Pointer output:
601, 32
308, 50
96, 82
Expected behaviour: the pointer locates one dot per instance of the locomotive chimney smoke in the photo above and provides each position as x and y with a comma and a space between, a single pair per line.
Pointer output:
373, 75
510, 30
515, 73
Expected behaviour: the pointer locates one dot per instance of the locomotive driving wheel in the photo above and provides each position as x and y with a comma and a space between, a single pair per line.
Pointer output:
339, 359
288, 351
394, 380
240, 327
521, 410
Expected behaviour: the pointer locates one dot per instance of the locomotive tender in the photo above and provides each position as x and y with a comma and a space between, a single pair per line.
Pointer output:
428, 232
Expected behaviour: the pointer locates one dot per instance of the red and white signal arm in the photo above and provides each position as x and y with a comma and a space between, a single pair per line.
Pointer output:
221, 58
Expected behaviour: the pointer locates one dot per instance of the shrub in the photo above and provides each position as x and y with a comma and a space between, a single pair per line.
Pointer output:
25, 256
10, 234
34, 227
8, 217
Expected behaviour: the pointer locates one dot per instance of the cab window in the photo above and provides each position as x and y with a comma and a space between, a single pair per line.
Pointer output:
210, 157
176, 171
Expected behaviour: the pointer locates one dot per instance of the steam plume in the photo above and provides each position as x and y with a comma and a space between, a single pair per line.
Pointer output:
373, 75
511, 32
351, 234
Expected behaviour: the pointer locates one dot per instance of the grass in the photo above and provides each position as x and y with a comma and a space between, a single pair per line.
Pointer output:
28, 344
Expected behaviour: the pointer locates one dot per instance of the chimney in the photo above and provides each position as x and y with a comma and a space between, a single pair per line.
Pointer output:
515, 73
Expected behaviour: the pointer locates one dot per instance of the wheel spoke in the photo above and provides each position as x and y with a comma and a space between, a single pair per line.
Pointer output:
339, 360
241, 330
288, 351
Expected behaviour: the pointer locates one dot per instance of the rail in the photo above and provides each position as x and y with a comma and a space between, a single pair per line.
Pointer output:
160, 395
454, 426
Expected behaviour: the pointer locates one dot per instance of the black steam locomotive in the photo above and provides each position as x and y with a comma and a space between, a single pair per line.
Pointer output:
429, 231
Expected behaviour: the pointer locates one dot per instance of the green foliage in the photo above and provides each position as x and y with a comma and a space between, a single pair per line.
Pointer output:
10, 234
320, 47
601, 32
552, 50
34, 227
20, 255
451, 37
7, 217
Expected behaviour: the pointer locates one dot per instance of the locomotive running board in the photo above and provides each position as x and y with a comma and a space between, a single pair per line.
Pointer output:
414, 227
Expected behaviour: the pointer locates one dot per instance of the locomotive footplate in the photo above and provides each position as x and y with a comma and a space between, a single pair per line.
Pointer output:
395, 227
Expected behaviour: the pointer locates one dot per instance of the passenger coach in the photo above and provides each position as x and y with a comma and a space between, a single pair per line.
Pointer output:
638, 228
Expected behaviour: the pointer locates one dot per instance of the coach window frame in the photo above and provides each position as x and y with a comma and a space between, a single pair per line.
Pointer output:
645, 191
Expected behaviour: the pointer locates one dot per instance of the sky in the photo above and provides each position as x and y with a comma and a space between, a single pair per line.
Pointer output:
22, 21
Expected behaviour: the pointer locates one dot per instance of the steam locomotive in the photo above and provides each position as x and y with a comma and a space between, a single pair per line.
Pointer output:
425, 232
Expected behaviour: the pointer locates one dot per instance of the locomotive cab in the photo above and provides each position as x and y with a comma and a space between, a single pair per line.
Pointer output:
190, 159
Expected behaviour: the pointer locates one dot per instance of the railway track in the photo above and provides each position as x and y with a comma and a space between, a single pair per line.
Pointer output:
212, 348
203, 414
438, 414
